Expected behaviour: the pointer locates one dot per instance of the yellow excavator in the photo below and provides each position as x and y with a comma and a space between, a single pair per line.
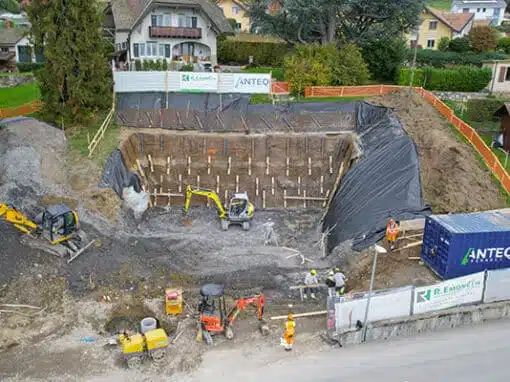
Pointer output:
57, 224
240, 210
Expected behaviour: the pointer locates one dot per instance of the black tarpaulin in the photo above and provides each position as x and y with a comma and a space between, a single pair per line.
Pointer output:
117, 176
384, 183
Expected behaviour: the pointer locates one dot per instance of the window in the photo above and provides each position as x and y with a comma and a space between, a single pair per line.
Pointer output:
238, 26
433, 25
194, 22
507, 76
167, 50
117, 47
24, 53
160, 20
136, 50
188, 22
161, 50
142, 50
431, 43
465, 10
154, 20
497, 12
477, 10
152, 48
4, 50
123, 45
167, 20
39, 55
235, 11
180, 21
484, 10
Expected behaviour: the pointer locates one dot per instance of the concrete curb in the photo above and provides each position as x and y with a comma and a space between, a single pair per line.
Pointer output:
408, 326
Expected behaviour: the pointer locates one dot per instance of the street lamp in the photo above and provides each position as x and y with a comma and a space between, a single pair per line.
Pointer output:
377, 249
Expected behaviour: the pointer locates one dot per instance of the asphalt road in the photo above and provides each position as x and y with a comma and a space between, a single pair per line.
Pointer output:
477, 353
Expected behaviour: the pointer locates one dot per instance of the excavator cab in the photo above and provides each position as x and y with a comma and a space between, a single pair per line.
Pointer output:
59, 223
240, 210
214, 318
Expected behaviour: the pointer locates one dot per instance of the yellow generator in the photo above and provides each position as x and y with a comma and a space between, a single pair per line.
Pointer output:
151, 344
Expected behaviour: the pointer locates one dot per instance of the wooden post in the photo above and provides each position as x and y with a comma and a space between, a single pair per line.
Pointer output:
309, 166
150, 162
326, 199
249, 166
267, 165
180, 183
284, 198
140, 169
299, 185
304, 198
217, 184
198, 180
155, 197
189, 165
168, 165
330, 164
169, 197
322, 184
161, 179
226, 199
229, 164
237, 183
288, 164
272, 185
257, 186
263, 198
209, 165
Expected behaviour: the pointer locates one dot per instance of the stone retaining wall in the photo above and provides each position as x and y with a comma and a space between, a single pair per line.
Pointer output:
10, 81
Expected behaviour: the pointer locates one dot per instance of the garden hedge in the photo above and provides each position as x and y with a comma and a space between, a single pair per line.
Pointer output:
264, 53
436, 58
481, 110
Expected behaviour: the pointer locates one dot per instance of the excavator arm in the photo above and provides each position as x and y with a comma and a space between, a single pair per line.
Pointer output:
258, 300
17, 219
190, 191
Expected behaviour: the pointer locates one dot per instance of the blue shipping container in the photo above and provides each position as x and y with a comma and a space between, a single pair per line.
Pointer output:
461, 244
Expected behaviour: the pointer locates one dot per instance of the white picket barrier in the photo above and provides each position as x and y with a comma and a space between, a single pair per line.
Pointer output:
497, 285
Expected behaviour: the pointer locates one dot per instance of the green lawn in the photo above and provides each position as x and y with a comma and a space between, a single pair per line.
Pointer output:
440, 4
19, 95
263, 98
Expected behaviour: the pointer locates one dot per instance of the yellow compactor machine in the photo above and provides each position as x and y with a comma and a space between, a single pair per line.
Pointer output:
239, 210
152, 344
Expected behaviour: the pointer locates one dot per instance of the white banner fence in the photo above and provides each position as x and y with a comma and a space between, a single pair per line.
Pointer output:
192, 82
482, 287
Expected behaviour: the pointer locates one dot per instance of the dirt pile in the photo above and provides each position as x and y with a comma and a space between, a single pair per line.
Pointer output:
453, 179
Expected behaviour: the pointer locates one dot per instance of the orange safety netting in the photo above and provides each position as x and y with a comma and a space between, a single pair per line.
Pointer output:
26, 109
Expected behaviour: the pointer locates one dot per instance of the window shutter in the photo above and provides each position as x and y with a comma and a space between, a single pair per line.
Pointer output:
502, 74
135, 50
167, 50
154, 20
193, 22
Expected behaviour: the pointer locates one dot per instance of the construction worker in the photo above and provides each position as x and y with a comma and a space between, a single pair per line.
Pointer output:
392, 230
288, 334
339, 278
330, 283
311, 283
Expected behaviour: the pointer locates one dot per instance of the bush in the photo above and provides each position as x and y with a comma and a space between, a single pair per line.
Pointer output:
138, 65
164, 65
460, 45
404, 77
186, 68
504, 44
264, 53
443, 44
384, 57
481, 110
276, 73
316, 65
233, 24
460, 79
483, 39
436, 58
25, 67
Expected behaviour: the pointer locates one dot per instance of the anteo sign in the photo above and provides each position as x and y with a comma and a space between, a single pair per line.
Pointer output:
252, 83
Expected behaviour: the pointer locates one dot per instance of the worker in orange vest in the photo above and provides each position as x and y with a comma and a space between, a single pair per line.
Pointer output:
288, 334
392, 230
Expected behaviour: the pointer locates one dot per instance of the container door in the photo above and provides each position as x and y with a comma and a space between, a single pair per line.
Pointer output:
436, 247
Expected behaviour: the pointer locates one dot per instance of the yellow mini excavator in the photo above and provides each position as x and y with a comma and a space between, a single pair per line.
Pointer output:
240, 210
57, 224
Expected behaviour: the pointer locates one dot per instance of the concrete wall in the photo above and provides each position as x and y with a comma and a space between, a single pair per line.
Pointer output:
140, 34
460, 96
10, 81
467, 315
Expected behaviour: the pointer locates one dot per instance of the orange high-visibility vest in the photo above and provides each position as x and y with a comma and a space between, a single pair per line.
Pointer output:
392, 231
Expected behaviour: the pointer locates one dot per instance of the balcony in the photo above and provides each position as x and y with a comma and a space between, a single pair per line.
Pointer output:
175, 32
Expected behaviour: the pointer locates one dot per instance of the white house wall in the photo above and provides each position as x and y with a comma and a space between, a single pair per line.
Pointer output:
24, 42
140, 34
120, 37
487, 15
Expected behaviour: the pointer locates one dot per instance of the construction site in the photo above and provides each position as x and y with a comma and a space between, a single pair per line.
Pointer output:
318, 182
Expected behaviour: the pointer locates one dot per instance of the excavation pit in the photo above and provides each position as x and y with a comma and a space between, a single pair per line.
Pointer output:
278, 170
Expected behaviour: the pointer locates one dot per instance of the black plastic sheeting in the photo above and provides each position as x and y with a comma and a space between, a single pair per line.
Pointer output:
117, 176
384, 183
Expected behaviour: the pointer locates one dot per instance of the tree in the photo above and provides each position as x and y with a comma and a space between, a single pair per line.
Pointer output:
10, 6
504, 44
483, 39
384, 57
316, 65
75, 81
443, 44
460, 45
324, 21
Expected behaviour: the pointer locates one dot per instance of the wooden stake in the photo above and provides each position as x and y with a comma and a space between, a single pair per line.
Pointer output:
330, 164
309, 166
168, 165
410, 236
263, 198
161, 179
313, 198
257, 186
322, 184
304, 198
189, 165
209, 165
226, 198
409, 246
169, 197
237, 183
217, 184
309, 314
198, 180
150, 162
272, 185
249, 166
155, 197
284, 198
180, 182
326, 199
229, 164
288, 165
267, 165
299, 185
140, 169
